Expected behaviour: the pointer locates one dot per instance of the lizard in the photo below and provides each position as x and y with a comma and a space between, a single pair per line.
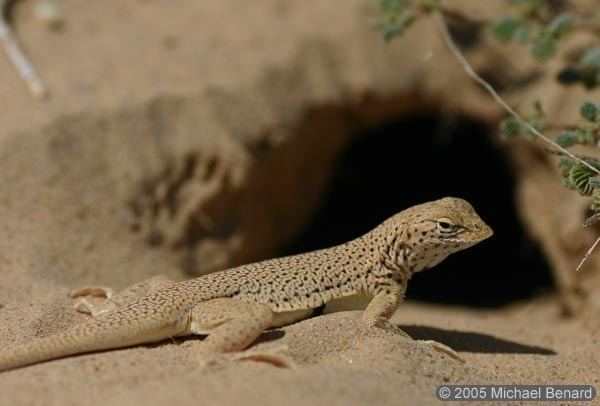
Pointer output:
233, 307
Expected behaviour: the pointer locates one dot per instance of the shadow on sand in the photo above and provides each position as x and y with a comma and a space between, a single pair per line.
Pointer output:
473, 342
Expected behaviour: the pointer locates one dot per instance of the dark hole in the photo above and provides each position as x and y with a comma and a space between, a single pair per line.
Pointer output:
466, 33
421, 158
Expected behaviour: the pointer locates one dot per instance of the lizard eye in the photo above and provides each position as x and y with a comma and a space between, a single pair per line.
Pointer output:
445, 224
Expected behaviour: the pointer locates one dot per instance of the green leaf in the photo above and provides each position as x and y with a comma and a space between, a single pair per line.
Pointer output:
592, 161
589, 111
521, 35
505, 28
595, 206
566, 139
591, 58
510, 128
566, 183
580, 175
585, 136
560, 24
430, 5
391, 30
530, 6
395, 27
595, 183
543, 47
565, 164
392, 7
406, 19
529, 3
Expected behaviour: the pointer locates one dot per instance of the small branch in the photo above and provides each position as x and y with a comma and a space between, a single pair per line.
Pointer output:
439, 18
588, 253
471, 72
590, 221
15, 54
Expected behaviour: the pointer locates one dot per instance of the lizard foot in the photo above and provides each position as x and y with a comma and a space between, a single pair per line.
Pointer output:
387, 325
96, 291
83, 305
443, 348
277, 356
392, 328
115, 299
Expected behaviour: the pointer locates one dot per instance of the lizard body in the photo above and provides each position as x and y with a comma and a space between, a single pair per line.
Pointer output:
234, 306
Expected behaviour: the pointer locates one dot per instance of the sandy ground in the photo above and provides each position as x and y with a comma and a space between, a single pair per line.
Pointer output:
64, 217
339, 361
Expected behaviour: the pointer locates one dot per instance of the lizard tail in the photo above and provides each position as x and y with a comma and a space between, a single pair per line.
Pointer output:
39, 350
86, 337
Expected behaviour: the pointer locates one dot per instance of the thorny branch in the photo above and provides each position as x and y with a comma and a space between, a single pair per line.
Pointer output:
15, 54
439, 18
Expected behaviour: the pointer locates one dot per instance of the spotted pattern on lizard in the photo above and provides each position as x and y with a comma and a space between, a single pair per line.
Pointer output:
234, 306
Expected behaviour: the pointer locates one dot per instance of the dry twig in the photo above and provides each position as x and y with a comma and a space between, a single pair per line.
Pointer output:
439, 18
15, 54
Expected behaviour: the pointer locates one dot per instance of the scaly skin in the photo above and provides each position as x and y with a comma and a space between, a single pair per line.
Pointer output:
234, 306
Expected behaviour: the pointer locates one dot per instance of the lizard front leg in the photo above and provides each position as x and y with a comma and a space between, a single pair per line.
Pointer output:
383, 306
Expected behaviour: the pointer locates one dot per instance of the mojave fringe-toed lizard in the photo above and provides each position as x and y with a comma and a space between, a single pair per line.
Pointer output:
233, 307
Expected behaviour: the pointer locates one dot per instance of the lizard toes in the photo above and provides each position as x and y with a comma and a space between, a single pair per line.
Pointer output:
96, 291
277, 356
388, 326
83, 306
443, 348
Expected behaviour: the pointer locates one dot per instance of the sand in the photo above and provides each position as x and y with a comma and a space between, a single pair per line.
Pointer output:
65, 219
339, 360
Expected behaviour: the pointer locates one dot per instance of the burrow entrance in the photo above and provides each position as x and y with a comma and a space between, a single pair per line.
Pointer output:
420, 158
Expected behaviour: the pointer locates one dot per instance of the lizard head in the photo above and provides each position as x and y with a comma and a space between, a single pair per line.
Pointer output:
427, 233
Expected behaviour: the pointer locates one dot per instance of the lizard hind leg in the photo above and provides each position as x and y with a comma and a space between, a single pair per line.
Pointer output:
232, 326
115, 300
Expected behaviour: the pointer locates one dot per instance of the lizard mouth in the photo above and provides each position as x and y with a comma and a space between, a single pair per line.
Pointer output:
484, 234
466, 238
